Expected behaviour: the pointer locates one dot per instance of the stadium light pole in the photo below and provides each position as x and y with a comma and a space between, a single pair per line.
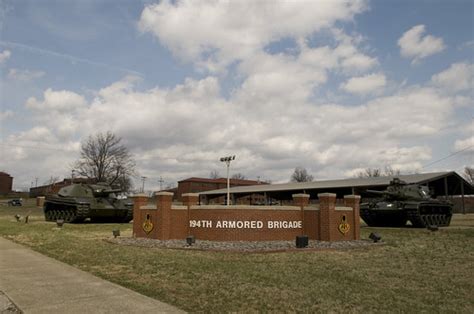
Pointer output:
227, 160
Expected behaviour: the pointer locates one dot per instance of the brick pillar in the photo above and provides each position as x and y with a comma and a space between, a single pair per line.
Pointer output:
139, 200
164, 201
327, 207
189, 199
353, 201
301, 200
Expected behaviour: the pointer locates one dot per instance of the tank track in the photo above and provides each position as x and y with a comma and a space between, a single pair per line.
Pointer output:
430, 215
420, 216
69, 213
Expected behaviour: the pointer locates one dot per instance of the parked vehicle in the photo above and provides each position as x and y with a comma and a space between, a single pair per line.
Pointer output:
15, 202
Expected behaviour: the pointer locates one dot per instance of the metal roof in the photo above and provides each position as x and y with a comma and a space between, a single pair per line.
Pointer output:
223, 181
420, 178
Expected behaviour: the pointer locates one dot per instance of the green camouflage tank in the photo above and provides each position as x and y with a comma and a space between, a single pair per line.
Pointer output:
98, 202
402, 202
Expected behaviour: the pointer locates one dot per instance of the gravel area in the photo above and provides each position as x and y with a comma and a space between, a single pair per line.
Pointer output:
241, 246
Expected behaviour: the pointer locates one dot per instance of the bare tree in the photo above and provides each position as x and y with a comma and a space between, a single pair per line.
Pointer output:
301, 175
105, 159
390, 172
469, 174
376, 172
239, 176
369, 173
52, 180
214, 174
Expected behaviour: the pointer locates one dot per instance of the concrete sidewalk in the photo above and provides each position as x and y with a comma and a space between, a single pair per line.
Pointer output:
39, 284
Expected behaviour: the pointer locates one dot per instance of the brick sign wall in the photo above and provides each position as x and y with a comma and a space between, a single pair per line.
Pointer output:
246, 223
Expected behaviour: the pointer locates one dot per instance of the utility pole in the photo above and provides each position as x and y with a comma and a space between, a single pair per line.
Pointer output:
161, 183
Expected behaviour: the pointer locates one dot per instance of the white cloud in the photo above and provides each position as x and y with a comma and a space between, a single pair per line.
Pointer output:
416, 46
24, 75
350, 58
465, 144
458, 77
4, 55
466, 140
365, 84
61, 101
181, 132
213, 34
6, 114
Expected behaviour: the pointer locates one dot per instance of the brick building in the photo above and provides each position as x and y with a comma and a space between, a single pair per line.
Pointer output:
197, 185
56, 186
6, 183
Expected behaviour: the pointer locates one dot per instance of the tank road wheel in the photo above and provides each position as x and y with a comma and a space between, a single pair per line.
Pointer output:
47, 215
59, 214
70, 215
67, 216
426, 220
417, 221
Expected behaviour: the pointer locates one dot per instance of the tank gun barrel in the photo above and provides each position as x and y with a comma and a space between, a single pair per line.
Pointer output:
112, 191
377, 192
388, 194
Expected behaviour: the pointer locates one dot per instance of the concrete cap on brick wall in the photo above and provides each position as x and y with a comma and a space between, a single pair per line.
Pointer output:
138, 195
164, 193
352, 196
190, 194
300, 195
326, 195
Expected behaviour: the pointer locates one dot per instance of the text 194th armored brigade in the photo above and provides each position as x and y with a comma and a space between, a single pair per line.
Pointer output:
246, 224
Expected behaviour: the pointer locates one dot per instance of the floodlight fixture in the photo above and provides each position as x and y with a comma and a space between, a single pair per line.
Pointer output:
227, 160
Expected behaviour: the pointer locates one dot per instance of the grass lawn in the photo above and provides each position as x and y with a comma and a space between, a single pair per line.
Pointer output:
415, 270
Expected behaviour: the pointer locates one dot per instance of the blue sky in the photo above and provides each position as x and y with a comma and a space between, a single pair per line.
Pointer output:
333, 86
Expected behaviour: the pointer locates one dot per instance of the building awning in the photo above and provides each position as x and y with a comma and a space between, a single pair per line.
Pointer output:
442, 183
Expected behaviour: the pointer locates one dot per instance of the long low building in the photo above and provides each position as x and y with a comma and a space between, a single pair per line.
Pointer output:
441, 184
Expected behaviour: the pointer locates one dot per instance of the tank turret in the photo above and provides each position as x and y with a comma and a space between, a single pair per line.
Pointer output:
98, 202
401, 202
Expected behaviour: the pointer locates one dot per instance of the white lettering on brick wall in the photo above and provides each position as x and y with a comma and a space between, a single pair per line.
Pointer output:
246, 224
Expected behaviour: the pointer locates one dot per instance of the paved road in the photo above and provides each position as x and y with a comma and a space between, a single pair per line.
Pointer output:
39, 284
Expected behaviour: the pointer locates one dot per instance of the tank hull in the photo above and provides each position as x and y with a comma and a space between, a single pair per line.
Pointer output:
419, 214
79, 208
